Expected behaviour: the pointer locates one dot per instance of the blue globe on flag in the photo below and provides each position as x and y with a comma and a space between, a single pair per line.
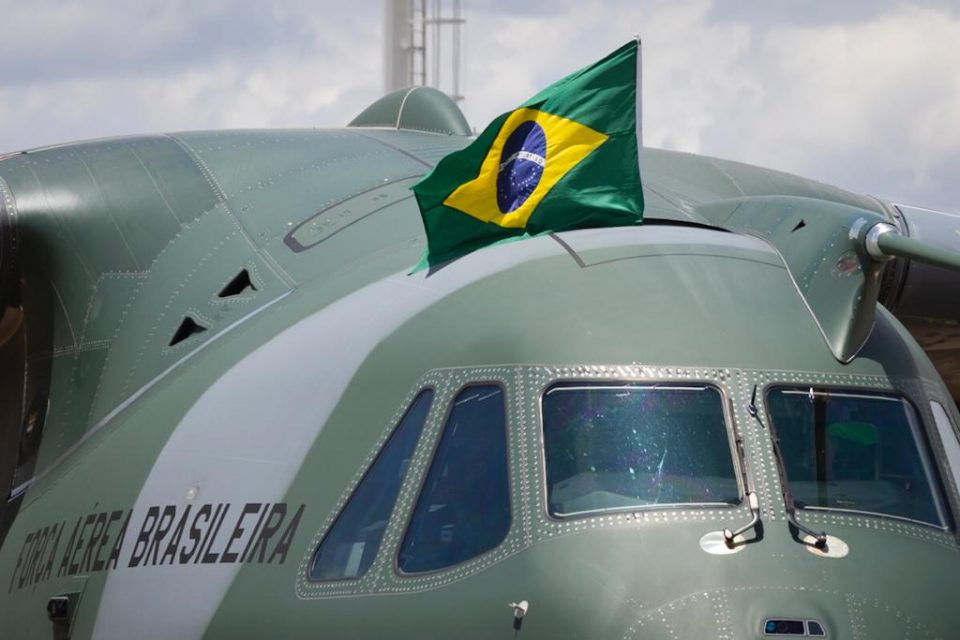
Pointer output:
521, 165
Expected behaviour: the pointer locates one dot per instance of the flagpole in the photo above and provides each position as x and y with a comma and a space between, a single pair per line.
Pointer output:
639, 115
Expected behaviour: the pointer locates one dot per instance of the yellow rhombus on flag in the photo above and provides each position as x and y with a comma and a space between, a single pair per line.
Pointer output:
566, 159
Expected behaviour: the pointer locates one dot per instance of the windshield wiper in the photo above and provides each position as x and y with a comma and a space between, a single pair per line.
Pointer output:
752, 501
820, 539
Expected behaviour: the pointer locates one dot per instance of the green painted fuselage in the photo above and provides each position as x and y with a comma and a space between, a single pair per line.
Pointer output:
212, 334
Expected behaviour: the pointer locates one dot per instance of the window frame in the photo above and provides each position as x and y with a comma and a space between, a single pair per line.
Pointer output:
421, 482
953, 429
366, 472
730, 426
932, 467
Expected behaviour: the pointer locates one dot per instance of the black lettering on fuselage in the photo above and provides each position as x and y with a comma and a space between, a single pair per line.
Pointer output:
166, 520
208, 556
16, 570
269, 528
27, 571
248, 509
143, 538
196, 533
253, 536
161, 540
65, 562
48, 567
206, 538
26, 576
174, 543
98, 526
283, 545
115, 552
99, 564
75, 566
41, 552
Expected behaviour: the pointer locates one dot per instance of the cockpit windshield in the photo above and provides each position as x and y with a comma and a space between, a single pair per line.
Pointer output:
620, 447
854, 451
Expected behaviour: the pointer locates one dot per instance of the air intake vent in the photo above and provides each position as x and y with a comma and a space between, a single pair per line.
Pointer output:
240, 284
187, 328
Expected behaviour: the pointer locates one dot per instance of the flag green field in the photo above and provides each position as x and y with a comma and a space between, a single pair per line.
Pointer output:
568, 158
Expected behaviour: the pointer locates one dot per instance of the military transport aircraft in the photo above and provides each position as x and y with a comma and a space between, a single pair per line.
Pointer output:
231, 410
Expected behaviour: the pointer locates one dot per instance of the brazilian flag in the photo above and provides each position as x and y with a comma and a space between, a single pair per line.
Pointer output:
566, 159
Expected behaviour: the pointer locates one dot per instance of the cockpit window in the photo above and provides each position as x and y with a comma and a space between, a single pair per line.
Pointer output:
464, 506
854, 451
623, 447
348, 549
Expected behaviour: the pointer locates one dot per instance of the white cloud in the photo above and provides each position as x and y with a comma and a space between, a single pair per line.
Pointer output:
872, 105
875, 102
97, 31
315, 76
869, 103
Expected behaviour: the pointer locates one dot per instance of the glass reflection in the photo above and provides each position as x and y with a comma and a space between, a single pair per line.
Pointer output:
348, 549
464, 506
853, 451
615, 447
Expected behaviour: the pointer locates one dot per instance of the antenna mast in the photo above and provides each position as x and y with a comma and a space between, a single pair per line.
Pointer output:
421, 45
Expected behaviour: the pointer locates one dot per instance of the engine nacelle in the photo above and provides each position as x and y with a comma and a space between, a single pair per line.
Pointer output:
926, 298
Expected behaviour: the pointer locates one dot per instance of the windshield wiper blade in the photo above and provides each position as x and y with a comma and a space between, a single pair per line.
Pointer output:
819, 539
753, 502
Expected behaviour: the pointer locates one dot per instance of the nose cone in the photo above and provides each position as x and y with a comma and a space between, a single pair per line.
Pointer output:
775, 611
656, 583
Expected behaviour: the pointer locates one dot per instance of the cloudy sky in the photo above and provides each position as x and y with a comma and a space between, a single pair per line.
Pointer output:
864, 94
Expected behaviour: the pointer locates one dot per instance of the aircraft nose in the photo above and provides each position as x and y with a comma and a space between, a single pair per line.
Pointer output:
764, 612
757, 612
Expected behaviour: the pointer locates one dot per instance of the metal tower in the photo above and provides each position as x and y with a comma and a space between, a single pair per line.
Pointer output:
421, 45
